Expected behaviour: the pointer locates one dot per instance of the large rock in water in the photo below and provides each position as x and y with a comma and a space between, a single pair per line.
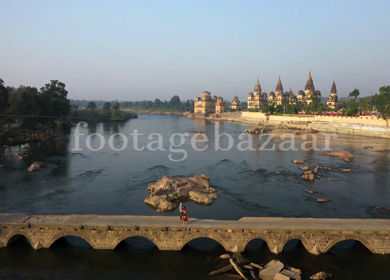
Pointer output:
308, 175
270, 272
343, 155
36, 166
160, 203
165, 191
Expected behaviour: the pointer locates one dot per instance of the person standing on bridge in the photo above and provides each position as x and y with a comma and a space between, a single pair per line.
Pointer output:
184, 216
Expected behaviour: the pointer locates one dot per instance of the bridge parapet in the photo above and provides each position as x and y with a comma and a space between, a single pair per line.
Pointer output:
167, 233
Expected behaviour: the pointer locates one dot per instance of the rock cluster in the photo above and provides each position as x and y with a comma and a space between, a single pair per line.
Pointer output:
248, 270
308, 175
322, 200
368, 147
256, 130
164, 192
310, 130
343, 155
273, 270
306, 168
36, 166
298, 161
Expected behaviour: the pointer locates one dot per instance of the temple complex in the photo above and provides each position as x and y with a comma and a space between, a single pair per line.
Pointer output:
235, 103
333, 98
279, 98
208, 104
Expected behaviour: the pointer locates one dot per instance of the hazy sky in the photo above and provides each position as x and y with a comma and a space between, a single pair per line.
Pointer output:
136, 50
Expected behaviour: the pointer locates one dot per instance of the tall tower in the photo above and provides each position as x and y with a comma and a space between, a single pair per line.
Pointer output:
257, 89
333, 98
279, 92
309, 88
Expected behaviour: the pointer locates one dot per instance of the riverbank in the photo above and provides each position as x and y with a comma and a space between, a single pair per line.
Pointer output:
148, 112
19, 137
362, 126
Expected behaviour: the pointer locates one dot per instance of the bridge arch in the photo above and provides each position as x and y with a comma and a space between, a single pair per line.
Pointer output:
259, 236
304, 241
362, 240
68, 233
18, 233
204, 235
133, 234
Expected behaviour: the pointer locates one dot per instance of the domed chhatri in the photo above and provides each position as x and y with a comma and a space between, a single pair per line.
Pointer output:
208, 104
256, 100
235, 103
333, 98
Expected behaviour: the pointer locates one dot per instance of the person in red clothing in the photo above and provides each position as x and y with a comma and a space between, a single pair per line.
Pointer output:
184, 216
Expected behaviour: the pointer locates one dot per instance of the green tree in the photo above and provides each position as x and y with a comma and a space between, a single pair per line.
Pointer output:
299, 106
91, 105
355, 93
24, 102
175, 101
54, 103
107, 106
352, 108
364, 104
382, 102
4, 104
157, 102
279, 109
116, 105
4, 95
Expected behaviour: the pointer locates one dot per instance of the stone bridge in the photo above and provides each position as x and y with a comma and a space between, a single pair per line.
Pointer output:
167, 233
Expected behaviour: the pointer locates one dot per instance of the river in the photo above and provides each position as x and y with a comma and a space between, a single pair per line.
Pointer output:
115, 182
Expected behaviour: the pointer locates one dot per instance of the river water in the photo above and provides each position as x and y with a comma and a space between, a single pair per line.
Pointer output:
115, 182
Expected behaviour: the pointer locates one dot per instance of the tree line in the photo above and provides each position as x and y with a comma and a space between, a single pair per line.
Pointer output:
109, 111
173, 105
33, 108
49, 107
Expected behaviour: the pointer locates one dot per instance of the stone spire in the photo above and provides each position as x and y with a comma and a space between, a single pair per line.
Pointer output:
333, 90
279, 86
257, 89
291, 92
309, 83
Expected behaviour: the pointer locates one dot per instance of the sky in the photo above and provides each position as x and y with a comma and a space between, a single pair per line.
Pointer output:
142, 50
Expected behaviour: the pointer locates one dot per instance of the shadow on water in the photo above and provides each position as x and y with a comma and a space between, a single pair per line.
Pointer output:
71, 257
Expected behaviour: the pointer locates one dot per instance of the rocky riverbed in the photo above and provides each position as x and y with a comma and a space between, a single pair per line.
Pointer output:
241, 268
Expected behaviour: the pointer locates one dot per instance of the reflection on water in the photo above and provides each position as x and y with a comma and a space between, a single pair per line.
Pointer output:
115, 182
